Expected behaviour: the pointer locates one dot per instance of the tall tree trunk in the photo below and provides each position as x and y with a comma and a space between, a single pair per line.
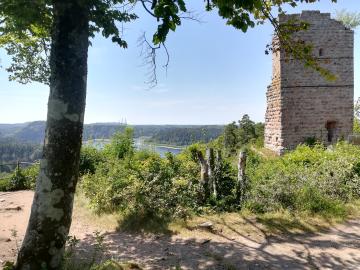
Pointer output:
210, 159
51, 211
241, 185
217, 173
204, 176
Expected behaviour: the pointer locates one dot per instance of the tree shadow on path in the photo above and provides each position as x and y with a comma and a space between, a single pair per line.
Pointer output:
335, 249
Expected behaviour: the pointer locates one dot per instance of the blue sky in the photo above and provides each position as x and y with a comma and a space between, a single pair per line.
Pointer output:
216, 74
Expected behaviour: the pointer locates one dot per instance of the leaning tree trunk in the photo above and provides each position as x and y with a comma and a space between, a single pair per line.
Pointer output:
51, 211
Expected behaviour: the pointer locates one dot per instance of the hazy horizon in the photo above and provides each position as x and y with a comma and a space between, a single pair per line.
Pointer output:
120, 123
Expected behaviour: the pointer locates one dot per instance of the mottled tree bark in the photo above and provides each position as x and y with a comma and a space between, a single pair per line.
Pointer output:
217, 173
210, 159
204, 176
241, 185
51, 211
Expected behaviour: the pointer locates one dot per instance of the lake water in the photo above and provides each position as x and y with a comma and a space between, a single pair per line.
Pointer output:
140, 144
161, 150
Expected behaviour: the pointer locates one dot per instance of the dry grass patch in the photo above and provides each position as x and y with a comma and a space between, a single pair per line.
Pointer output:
264, 152
226, 226
257, 227
83, 213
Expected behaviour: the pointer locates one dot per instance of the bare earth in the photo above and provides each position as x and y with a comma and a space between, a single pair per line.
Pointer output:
227, 248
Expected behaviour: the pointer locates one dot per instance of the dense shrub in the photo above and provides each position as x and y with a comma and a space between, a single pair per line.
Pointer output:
146, 188
4, 183
312, 179
122, 144
31, 174
20, 179
141, 184
224, 173
226, 188
90, 157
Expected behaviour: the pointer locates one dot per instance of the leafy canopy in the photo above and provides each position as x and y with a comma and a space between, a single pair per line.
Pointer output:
237, 136
25, 32
25, 27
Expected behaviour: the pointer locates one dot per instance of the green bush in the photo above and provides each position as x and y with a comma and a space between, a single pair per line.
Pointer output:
310, 141
149, 190
20, 179
122, 144
31, 174
310, 179
90, 157
142, 186
4, 184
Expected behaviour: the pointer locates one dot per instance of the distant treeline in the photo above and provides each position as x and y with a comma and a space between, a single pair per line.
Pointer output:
187, 135
23, 141
11, 151
34, 132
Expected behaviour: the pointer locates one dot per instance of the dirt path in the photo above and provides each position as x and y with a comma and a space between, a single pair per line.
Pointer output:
226, 248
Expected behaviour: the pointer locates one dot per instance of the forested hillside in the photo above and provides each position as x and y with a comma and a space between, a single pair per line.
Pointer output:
187, 135
11, 151
10, 129
33, 132
23, 141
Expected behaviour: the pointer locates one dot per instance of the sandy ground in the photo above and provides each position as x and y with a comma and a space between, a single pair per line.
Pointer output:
337, 248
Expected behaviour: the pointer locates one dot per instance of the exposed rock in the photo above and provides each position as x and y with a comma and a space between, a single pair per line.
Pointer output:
206, 225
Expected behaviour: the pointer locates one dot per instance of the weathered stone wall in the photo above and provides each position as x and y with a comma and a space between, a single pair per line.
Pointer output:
301, 103
273, 112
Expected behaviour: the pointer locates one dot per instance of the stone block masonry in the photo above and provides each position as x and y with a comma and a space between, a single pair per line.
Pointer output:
302, 104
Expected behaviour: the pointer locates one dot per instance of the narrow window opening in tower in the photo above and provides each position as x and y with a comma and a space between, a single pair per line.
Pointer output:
330, 126
321, 52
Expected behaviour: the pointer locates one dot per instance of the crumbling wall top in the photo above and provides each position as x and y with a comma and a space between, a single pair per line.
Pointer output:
314, 17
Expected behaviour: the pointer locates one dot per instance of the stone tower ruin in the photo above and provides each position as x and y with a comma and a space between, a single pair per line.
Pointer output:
302, 104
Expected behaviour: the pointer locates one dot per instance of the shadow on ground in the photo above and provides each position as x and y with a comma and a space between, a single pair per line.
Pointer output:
335, 249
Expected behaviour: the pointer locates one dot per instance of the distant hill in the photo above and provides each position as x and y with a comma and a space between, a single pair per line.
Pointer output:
9, 129
187, 135
34, 132
23, 141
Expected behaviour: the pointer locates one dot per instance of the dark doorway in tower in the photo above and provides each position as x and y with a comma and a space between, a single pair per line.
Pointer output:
330, 126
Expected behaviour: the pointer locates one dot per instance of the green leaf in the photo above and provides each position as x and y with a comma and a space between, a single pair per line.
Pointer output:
172, 25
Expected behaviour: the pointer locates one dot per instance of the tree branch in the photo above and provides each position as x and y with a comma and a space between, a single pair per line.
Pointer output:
147, 9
